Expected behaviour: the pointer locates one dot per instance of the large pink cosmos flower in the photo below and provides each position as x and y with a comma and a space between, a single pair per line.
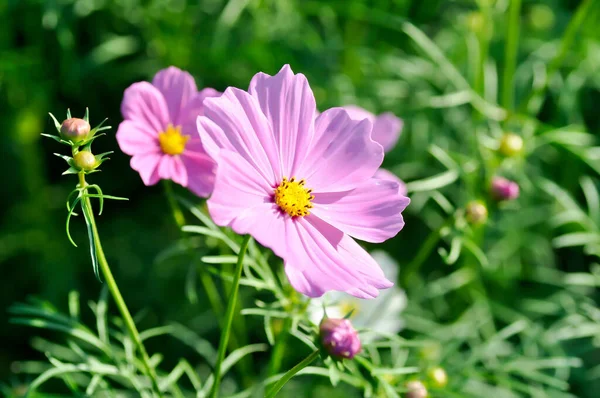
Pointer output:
159, 131
386, 131
301, 185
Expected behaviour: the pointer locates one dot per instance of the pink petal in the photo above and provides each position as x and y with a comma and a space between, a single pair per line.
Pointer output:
289, 104
365, 264
315, 263
193, 109
342, 154
358, 113
371, 212
172, 168
136, 138
177, 87
147, 165
235, 121
200, 170
384, 174
144, 104
386, 130
386, 127
238, 189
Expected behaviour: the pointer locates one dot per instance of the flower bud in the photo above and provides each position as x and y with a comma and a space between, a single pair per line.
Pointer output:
510, 144
476, 212
75, 129
339, 338
541, 17
416, 389
438, 377
85, 160
503, 189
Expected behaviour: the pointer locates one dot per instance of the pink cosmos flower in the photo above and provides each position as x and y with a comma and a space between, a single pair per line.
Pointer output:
159, 131
386, 131
301, 185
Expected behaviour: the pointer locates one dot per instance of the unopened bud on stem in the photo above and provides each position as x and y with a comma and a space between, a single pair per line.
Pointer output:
503, 189
438, 377
75, 129
339, 338
511, 144
476, 212
85, 160
416, 389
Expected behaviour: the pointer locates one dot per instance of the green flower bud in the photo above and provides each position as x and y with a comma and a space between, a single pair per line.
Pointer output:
438, 377
476, 212
511, 144
541, 17
85, 160
416, 389
75, 129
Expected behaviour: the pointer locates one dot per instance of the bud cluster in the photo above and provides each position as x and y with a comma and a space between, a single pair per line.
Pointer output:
78, 134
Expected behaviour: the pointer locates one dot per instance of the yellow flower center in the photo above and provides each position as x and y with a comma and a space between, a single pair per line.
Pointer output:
293, 197
172, 142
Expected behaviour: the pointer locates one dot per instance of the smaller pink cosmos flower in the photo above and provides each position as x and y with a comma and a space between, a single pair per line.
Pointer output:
386, 127
301, 185
386, 131
159, 131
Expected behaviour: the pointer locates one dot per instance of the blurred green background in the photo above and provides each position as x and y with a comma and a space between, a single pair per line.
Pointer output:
60, 54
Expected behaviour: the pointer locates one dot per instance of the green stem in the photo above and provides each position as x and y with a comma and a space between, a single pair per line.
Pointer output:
116, 294
291, 373
279, 349
231, 304
533, 101
423, 254
210, 288
510, 53
177, 213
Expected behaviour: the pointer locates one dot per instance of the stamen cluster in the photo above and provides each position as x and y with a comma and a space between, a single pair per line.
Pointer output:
293, 197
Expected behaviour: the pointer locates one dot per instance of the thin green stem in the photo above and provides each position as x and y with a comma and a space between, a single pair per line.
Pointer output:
291, 373
116, 294
510, 54
231, 304
423, 254
208, 284
533, 102
177, 213
279, 349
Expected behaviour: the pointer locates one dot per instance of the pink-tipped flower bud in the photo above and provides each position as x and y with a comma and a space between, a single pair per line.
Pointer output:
503, 189
75, 129
476, 213
339, 338
416, 389
85, 160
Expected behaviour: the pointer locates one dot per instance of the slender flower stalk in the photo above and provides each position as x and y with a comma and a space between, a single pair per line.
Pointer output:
291, 373
510, 53
176, 210
208, 284
115, 292
231, 304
